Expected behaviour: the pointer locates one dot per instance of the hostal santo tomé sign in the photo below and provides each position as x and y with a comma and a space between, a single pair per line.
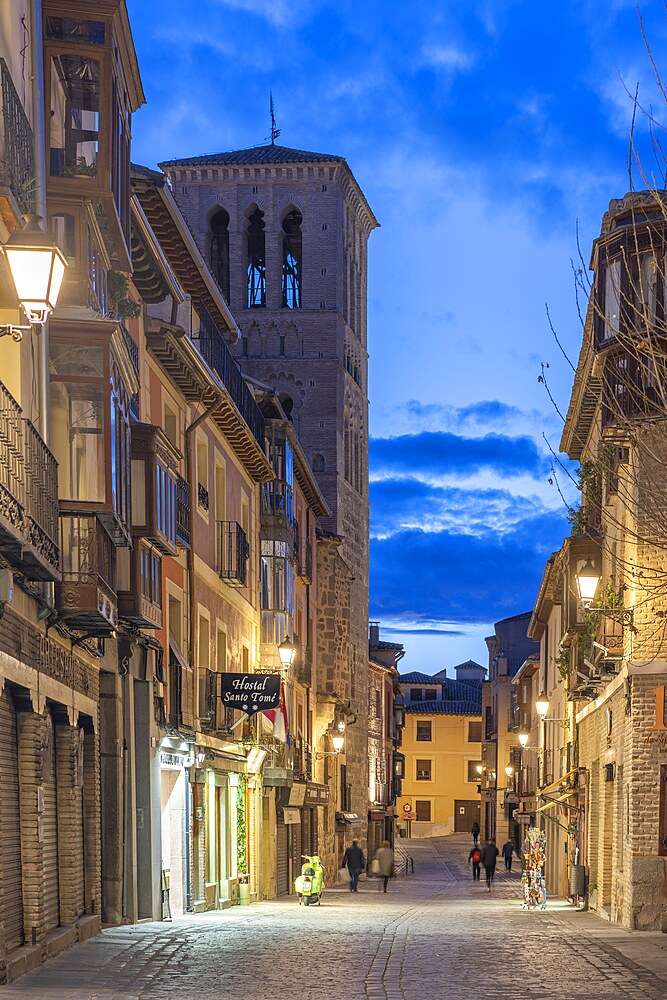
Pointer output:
250, 693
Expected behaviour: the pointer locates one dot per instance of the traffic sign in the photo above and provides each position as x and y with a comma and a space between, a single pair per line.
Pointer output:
407, 808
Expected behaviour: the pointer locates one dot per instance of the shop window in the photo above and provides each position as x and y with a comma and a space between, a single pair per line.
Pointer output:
292, 264
75, 115
423, 811
424, 732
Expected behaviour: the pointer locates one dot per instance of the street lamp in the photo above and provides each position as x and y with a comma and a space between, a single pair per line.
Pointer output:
587, 580
287, 652
509, 770
523, 739
37, 268
338, 742
542, 707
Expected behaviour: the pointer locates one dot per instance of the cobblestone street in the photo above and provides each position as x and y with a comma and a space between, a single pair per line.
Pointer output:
435, 934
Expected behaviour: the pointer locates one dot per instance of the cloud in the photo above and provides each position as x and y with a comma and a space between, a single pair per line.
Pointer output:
429, 577
392, 630
280, 13
397, 504
443, 453
446, 57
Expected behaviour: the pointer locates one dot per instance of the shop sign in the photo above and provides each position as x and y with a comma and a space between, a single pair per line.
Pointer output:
250, 693
657, 734
291, 816
297, 794
316, 793
170, 761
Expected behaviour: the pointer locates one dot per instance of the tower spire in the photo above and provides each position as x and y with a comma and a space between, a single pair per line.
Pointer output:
275, 132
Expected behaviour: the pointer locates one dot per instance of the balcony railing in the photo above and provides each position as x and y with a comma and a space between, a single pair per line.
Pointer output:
302, 759
17, 158
278, 498
217, 355
305, 560
304, 666
232, 553
182, 512
28, 495
202, 496
527, 781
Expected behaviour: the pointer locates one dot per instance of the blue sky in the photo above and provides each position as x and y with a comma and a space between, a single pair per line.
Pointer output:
483, 133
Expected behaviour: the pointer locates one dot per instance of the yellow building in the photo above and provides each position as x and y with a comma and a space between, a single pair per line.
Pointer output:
442, 746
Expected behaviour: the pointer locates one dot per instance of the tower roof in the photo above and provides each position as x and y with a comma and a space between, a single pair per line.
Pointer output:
256, 154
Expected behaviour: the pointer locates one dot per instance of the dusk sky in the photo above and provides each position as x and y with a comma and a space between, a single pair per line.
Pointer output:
481, 133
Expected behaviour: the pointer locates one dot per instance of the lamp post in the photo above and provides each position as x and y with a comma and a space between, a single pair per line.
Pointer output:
37, 268
542, 708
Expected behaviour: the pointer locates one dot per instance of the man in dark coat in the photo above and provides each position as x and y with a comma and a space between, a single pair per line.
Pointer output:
475, 857
508, 852
474, 829
354, 861
489, 855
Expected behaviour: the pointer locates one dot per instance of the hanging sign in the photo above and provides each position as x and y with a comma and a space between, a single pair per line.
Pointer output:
250, 693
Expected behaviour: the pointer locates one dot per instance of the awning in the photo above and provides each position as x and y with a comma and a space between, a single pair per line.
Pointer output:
560, 800
556, 784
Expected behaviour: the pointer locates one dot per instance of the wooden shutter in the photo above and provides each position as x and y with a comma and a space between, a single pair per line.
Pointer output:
10, 842
662, 842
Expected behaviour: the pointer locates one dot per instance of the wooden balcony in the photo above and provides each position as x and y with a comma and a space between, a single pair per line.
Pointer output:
140, 585
86, 598
28, 495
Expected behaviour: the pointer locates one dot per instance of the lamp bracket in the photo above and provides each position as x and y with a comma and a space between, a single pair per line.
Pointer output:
15, 332
622, 616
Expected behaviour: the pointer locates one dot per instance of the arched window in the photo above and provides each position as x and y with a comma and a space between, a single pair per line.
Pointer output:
256, 260
318, 462
220, 250
292, 259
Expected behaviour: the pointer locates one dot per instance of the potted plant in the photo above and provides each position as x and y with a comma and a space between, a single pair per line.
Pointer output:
592, 895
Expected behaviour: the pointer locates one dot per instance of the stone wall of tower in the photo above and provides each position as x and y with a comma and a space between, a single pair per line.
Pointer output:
315, 355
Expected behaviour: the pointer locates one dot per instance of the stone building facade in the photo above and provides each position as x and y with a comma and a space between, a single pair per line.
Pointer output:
604, 655
286, 232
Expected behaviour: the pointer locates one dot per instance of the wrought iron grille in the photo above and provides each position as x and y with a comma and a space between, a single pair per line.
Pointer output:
17, 147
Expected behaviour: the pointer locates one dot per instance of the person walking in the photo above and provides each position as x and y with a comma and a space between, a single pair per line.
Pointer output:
508, 852
384, 856
354, 861
489, 856
474, 829
475, 858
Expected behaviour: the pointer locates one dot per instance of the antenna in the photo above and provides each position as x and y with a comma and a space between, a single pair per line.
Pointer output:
275, 132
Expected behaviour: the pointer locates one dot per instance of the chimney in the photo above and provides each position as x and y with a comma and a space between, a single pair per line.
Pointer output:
373, 634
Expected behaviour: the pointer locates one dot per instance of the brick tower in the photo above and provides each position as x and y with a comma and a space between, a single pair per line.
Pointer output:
285, 232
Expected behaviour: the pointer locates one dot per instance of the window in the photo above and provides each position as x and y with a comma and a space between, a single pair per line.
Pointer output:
75, 115
292, 245
220, 250
423, 768
423, 811
175, 620
612, 297
78, 419
431, 694
416, 694
171, 424
474, 732
473, 773
378, 704
424, 732
256, 260
151, 574
318, 462
202, 474
204, 647
277, 590
221, 651
220, 492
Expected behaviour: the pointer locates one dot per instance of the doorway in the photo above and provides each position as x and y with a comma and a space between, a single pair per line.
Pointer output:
466, 812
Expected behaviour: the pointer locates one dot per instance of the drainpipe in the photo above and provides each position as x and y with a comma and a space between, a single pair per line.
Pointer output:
190, 477
39, 145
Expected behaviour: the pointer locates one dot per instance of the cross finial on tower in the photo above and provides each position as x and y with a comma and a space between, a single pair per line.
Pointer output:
275, 132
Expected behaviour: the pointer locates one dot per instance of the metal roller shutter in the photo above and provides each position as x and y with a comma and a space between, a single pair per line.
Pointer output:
252, 838
282, 858
305, 831
50, 829
313, 830
297, 848
10, 842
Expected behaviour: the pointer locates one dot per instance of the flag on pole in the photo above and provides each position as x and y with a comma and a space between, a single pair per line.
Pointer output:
278, 716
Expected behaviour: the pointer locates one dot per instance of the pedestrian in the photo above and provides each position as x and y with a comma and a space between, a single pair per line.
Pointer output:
353, 860
507, 852
475, 858
474, 829
384, 863
489, 855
